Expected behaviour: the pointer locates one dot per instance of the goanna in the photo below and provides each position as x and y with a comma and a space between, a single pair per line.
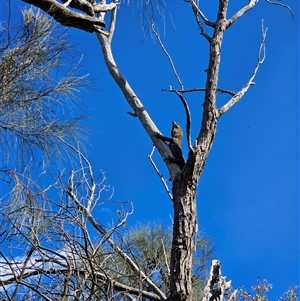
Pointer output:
175, 144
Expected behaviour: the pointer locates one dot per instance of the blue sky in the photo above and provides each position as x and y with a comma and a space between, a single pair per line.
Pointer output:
248, 195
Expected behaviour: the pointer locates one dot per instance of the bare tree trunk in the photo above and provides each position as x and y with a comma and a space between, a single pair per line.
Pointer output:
184, 198
184, 186
185, 220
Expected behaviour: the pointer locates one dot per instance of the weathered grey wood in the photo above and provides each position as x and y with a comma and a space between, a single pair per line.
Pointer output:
67, 17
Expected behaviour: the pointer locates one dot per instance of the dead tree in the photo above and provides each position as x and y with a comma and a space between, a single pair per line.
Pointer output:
184, 182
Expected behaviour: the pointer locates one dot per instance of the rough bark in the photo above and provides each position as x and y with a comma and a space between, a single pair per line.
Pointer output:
184, 186
67, 17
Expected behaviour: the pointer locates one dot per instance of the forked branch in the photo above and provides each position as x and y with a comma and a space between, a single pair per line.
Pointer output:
241, 12
260, 59
201, 14
250, 5
138, 109
106, 235
67, 17
198, 16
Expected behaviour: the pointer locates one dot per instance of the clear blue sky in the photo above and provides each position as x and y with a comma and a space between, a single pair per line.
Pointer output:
248, 195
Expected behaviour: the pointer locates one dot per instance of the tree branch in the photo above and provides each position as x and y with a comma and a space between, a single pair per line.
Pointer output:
104, 7
112, 24
283, 5
260, 59
241, 12
168, 56
22, 273
136, 104
200, 13
92, 187
199, 90
66, 16
188, 120
66, 4
82, 5
33, 271
207, 132
107, 238
160, 175
197, 12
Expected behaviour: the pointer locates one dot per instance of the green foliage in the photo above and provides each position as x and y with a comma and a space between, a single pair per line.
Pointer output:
36, 89
149, 245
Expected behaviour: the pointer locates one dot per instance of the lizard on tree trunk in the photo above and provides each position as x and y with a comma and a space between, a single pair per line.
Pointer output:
175, 144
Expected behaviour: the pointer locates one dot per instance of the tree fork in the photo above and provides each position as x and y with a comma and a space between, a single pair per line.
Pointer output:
185, 181
184, 186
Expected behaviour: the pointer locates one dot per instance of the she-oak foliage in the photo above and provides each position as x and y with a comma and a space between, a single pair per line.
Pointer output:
87, 276
36, 90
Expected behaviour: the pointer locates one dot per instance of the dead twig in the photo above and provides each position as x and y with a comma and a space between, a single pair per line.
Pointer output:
168, 56
260, 59
198, 16
225, 91
283, 5
188, 120
160, 175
